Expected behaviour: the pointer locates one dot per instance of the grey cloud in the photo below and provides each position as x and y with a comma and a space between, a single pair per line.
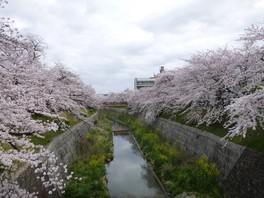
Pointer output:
108, 44
211, 13
134, 48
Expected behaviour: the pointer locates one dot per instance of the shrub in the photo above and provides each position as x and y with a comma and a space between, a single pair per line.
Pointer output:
205, 177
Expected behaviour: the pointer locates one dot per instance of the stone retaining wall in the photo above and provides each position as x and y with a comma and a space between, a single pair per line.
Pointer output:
65, 147
246, 179
196, 142
242, 169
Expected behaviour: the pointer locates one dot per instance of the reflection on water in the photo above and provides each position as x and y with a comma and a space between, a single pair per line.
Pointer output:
128, 175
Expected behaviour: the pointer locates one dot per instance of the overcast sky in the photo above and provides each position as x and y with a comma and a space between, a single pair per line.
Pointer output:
110, 42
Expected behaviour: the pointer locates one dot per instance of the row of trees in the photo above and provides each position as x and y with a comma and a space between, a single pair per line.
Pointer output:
29, 88
116, 98
223, 85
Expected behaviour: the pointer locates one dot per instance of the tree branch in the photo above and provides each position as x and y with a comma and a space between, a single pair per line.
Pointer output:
20, 134
13, 146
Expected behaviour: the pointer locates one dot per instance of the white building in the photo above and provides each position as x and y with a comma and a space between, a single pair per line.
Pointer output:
143, 82
146, 82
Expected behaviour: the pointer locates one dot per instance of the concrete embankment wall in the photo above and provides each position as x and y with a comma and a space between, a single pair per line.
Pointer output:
196, 142
242, 169
65, 147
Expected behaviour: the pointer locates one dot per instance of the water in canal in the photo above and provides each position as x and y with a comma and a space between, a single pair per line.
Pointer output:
128, 175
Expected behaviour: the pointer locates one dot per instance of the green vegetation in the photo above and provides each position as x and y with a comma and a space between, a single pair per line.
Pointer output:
104, 123
70, 121
178, 171
48, 137
90, 170
91, 182
253, 140
88, 112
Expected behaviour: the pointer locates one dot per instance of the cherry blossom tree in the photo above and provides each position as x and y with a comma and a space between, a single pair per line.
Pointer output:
222, 85
151, 101
246, 111
117, 98
28, 88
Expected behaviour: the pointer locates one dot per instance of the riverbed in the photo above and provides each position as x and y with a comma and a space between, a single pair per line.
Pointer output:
128, 174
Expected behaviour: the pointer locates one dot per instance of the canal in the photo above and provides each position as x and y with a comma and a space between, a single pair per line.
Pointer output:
128, 174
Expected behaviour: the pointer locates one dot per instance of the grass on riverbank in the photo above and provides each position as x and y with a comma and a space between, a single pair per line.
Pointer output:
253, 140
96, 150
70, 121
178, 171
